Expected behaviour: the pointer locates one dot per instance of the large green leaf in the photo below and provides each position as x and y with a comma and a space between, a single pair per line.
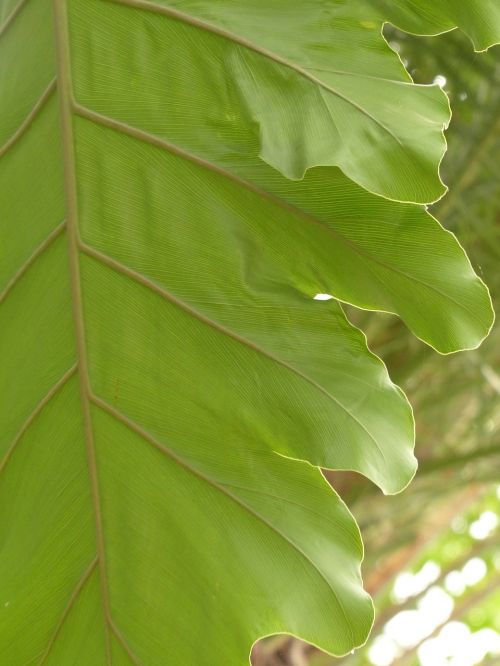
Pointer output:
187, 418
165, 368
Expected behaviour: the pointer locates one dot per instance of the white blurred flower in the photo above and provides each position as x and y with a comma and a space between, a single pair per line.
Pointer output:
383, 651
474, 571
454, 583
484, 525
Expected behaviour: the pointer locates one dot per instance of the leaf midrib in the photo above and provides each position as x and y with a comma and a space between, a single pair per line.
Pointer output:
64, 82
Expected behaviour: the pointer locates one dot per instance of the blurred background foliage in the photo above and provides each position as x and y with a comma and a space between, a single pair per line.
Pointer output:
432, 553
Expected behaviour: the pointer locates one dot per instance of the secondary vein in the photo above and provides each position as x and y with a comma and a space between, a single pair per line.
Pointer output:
44, 245
163, 144
72, 600
152, 286
35, 412
12, 16
132, 425
24, 126
152, 7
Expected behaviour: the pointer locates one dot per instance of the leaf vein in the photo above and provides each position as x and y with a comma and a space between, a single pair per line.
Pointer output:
153, 140
25, 125
152, 7
12, 16
35, 412
44, 245
72, 600
124, 644
70, 191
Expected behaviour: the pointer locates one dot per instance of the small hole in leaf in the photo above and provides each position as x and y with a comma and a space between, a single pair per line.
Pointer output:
440, 80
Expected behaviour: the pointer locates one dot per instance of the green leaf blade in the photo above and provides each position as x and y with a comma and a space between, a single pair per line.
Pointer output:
326, 224
45, 501
479, 19
172, 387
276, 534
299, 120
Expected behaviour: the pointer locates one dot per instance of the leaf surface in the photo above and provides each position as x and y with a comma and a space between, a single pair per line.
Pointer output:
479, 19
170, 385
405, 262
340, 97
